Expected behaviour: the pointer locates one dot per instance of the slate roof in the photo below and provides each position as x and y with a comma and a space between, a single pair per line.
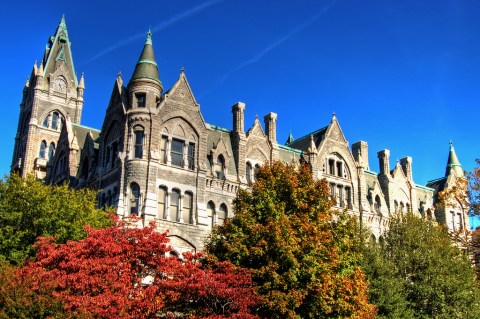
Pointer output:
303, 143
82, 131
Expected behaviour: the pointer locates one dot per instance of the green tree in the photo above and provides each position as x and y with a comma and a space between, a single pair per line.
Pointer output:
417, 272
303, 260
29, 209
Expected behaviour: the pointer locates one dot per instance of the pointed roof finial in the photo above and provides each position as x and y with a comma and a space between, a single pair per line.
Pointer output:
119, 74
312, 148
62, 24
81, 84
27, 83
453, 163
147, 67
290, 138
182, 70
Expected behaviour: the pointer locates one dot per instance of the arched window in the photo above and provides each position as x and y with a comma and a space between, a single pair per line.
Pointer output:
187, 208
402, 207
55, 121
191, 156
211, 213
248, 173
222, 214
51, 151
134, 199
395, 206
43, 147
163, 149
408, 207
139, 135
46, 121
255, 171
174, 204
378, 204
220, 167
103, 201
162, 196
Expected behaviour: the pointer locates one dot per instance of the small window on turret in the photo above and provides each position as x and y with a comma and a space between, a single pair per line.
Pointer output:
141, 99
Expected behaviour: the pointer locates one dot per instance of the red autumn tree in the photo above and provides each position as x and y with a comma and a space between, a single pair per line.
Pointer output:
125, 272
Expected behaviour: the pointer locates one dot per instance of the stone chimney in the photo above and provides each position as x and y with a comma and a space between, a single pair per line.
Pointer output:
406, 164
360, 153
384, 161
238, 111
270, 121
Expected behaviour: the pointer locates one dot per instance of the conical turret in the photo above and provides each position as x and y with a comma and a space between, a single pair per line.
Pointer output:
453, 163
146, 67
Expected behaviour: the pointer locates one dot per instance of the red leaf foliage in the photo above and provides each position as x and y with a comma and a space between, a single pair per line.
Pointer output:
126, 272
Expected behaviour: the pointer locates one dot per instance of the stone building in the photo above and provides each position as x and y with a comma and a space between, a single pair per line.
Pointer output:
156, 157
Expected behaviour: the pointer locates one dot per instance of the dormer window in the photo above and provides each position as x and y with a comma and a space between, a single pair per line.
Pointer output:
141, 99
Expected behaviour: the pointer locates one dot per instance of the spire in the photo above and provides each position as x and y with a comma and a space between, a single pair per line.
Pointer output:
290, 138
40, 70
453, 163
146, 67
81, 84
62, 24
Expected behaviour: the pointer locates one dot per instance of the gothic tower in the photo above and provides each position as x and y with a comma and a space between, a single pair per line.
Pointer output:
50, 95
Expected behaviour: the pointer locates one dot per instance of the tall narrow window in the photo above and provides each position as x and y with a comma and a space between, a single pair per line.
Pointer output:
211, 213
55, 121
191, 156
187, 208
141, 99
177, 152
43, 147
255, 171
220, 167
348, 195
248, 173
51, 151
222, 214
378, 204
174, 203
331, 167
340, 196
109, 198
459, 221
107, 157
139, 143
134, 199
162, 195
114, 152
46, 121
339, 169
452, 214
395, 206
163, 150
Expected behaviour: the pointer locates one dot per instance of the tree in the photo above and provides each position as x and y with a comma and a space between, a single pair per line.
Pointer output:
474, 190
302, 259
29, 209
125, 272
421, 273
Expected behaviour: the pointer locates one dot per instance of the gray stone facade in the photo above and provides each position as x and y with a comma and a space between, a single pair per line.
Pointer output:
157, 158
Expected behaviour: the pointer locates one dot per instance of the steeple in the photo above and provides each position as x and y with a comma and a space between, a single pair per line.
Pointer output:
453, 163
146, 67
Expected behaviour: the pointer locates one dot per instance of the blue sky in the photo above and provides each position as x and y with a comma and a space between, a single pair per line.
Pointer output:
402, 75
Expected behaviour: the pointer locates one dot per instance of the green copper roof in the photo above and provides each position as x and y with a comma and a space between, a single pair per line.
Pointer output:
146, 67
453, 163
290, 139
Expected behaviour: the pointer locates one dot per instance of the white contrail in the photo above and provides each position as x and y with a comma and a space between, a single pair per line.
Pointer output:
272, 46
156, 28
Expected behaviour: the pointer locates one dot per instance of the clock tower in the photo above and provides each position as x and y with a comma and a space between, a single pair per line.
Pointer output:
51, 94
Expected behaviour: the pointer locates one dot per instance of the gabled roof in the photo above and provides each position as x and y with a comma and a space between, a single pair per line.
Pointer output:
82, 131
